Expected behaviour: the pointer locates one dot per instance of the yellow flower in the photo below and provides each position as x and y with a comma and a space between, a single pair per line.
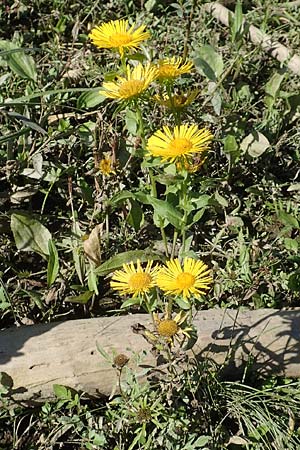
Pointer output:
106, 167
136, 81
176, 101
170, 68
133, 280
169, 329
116, 34
180, 144
191, 280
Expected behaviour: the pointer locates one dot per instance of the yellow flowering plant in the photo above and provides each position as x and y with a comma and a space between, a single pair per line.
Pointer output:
169, 154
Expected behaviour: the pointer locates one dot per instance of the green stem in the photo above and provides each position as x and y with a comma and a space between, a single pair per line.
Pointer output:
123, 62
169, 308
183, 203
164, 238
175, 236
140, 120
141, 133
107, 229
176, 113
148, 308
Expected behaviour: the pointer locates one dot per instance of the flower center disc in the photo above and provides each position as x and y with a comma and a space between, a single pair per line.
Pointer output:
167, 71
139, 281
131, 88
120, 39
185, 280
180, 146
167, 328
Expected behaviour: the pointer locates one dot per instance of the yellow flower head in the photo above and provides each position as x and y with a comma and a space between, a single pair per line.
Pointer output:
136, 81
179, 144
191, 280
135, 281
176, 101
106, 167
117, 34
170, 68
170, 329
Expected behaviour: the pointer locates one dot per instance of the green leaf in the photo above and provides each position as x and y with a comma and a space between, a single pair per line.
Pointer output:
131, 121
163, 209
208, 62
126, 257
287, 219
201, 201
26, 121
26, 98
135, 216
63, 392
230, 144
294, 187
236, 23
198, 215
255, 144
201, 441
291, 244
93, 281
53, 263
81, 298
18, 61
4, 297
120, 197
294, 282
221, 200
272, 88
130, 302
29, 234
231, 149
90, 99
149, 5
183, 303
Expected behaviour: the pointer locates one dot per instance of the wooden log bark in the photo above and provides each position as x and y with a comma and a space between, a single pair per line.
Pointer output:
38, 356
267, 43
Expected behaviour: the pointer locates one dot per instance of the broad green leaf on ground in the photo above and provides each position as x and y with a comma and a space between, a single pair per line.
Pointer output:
255, 144
231, 147
18, 61
208, 62
63, 392
126, 257
272, 87
90, 99
288, 219
29, 234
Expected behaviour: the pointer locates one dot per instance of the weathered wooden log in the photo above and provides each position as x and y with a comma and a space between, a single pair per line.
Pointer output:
38, 356
258, 37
